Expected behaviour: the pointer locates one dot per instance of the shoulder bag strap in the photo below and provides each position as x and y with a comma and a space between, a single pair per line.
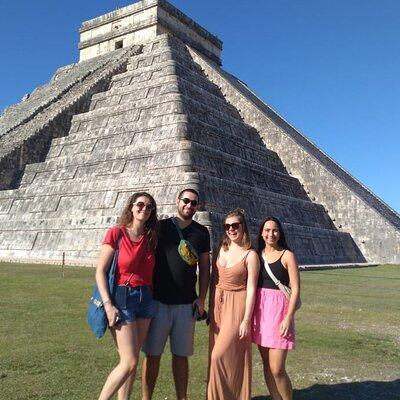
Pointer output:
175, 222
119, 238
269, 272
285, 289
116, 251
114, 263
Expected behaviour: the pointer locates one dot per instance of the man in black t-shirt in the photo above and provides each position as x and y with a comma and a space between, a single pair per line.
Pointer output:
174, 284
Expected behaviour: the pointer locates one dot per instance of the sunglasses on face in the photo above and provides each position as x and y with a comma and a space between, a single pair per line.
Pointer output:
140, 205
194, 203
234, 226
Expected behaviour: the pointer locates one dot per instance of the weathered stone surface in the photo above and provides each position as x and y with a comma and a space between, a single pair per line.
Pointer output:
374, 226
162, 119
26, 129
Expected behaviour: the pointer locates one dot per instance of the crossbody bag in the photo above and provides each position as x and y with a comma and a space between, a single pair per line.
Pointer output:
185, 249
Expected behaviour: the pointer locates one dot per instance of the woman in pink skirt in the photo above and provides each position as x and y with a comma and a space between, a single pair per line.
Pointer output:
273, 316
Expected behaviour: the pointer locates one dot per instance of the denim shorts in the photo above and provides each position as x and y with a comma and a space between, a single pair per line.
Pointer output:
134, 303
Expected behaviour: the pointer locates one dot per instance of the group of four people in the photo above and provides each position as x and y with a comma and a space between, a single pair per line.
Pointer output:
156, 298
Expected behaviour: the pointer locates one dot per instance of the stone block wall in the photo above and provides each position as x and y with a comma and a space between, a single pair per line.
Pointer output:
352, 207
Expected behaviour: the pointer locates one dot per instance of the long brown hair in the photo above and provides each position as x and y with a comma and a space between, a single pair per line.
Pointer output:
246, 240
151, 225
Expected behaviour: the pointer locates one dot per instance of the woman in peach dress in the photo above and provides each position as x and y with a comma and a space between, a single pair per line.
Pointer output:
233, 289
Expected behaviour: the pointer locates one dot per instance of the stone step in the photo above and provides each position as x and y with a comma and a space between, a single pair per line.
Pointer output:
165, 104
229, 145
315, 245
158, 71
78, 133
160, 57
31, 199
196, 130
143, 149
243, 134
202, 133
205, 136
213, 162
159, 87
89, 218
224, 195
192, 76
115, 137
58, 200
150, 156
162, 104
133, 93
107, 214
142, 74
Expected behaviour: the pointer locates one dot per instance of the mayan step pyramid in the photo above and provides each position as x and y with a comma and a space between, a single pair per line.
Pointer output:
148, 107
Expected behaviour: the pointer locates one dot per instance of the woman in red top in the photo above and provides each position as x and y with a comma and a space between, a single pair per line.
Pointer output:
130, 310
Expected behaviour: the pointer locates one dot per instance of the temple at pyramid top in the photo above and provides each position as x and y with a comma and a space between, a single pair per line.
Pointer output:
140, 23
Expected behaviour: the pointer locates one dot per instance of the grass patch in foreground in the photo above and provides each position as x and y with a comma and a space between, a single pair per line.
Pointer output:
347, 330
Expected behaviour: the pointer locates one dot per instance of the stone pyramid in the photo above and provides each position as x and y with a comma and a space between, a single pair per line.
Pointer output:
148, 107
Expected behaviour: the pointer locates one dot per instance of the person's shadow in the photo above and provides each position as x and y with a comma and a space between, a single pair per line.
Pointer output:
367, 390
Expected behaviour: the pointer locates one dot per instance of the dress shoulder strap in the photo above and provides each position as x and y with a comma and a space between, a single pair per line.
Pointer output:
245, 257
283, 252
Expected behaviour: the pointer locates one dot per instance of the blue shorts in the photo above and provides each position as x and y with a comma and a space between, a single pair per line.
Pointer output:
134, 303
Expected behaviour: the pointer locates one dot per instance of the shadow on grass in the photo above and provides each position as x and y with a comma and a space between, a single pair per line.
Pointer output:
368, 390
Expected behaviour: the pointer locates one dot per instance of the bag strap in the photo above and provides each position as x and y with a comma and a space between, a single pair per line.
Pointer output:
269, 272
119, 238
175, 222
114, 264
116, 251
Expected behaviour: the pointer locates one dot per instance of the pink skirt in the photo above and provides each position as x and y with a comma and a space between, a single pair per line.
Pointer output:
269, 310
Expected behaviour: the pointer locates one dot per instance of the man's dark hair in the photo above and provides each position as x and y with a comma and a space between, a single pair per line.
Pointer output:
188, 190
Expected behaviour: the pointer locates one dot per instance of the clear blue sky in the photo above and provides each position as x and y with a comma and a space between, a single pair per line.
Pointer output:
330, 68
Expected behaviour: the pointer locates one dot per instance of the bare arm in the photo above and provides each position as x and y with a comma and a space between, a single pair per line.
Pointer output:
103, 265
290, 263
213, 282
253, 267
204, 279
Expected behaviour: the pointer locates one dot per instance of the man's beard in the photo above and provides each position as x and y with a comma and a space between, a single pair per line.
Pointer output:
186, 217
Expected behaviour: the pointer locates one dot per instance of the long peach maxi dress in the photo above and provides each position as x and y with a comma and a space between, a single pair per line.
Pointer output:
230, 357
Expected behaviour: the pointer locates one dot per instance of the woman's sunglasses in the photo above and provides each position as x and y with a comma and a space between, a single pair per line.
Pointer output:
194, 203
140, 205
234, 226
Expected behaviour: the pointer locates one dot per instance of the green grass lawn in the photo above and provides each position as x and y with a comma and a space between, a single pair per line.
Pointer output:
347, 330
